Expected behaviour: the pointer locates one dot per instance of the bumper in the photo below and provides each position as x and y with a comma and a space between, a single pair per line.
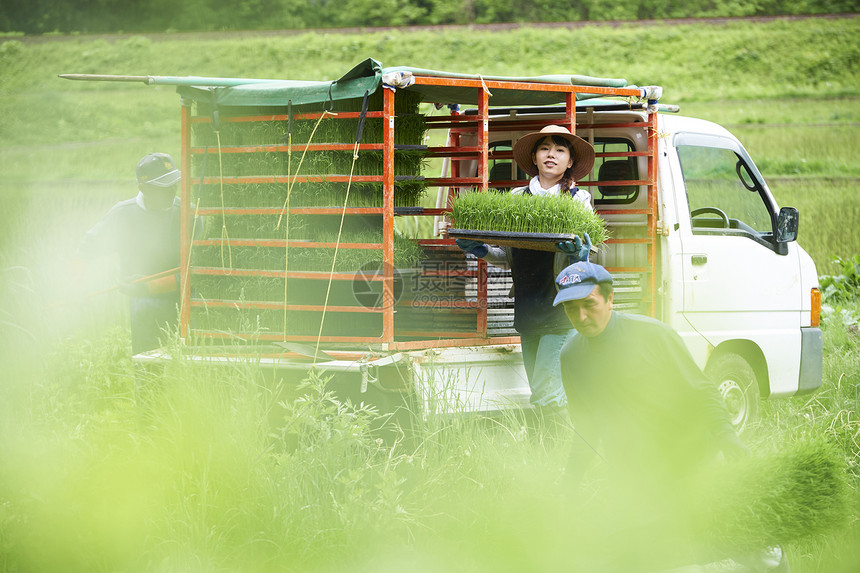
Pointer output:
811, 360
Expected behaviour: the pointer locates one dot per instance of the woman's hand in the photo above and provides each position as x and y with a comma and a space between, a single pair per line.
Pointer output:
476, 248
576, 250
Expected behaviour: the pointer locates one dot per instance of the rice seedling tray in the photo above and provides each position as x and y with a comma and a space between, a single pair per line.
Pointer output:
520, 240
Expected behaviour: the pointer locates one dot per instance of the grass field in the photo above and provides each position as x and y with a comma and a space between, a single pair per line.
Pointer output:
105, 468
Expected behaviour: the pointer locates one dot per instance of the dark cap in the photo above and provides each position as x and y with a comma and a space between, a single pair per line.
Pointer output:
578, 280
157, 170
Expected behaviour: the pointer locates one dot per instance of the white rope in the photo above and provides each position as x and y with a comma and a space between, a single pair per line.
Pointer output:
336, 247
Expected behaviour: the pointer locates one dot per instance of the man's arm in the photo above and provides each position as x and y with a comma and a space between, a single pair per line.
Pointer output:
713, 407
101, 239
583, 453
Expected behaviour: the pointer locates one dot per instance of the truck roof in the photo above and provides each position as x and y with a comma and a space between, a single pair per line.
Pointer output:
678, 123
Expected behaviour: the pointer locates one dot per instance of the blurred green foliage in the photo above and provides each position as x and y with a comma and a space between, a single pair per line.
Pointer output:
107, 467
844, 286
106, 16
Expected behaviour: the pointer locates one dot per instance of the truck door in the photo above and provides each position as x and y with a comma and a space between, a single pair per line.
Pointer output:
739, 283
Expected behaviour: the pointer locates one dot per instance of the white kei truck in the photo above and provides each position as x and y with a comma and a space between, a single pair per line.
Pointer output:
697, 240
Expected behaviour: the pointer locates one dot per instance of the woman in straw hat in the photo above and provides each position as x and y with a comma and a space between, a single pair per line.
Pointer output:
555, 158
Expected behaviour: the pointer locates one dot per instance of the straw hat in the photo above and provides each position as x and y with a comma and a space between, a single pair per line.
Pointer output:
583, 152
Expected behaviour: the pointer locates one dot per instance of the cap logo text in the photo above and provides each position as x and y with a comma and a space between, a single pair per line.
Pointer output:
569, 280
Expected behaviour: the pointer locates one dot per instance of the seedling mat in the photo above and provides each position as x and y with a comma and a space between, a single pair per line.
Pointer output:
533, 241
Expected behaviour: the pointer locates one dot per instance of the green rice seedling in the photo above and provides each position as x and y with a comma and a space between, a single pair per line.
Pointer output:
238, 288
327, 129
229, 134
326, 162
270, 289
240, 195
244, 257
409, 193
409, 162
254, 164
299, 323
203, 135
526, 214
331, 194
409, 129
407, 253
374, 131
404, 102
773, 499
257, 227
409, 124
266, 132
370, 163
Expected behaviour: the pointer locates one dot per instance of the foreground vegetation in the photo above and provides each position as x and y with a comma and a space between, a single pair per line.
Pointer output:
108, 468
112, 468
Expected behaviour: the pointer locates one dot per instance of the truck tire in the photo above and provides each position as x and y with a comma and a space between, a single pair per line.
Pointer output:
736, 382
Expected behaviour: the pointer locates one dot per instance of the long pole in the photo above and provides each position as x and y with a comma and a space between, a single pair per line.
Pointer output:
115, 287
167, 80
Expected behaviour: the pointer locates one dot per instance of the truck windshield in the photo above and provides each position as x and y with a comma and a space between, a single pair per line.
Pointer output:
720, 191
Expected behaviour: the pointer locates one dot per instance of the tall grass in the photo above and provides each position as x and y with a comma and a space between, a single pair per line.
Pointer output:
829, 213
110, 467
831, 414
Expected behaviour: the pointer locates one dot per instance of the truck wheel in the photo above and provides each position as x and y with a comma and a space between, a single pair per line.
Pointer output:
737, 385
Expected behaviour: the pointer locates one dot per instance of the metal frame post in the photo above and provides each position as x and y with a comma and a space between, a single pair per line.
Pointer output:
388, 216
484, 138
652, 211
185, 224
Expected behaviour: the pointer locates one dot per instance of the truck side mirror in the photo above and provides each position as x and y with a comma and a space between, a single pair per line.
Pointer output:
786, 225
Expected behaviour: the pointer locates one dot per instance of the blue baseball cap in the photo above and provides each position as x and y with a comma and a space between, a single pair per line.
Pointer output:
578, 280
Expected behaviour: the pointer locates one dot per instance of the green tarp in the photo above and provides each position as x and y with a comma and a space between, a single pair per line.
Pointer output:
367, 77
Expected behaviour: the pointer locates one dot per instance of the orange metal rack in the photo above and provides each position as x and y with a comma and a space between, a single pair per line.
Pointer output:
393, 336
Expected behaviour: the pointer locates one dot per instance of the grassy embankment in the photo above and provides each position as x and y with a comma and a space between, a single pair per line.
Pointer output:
100, 473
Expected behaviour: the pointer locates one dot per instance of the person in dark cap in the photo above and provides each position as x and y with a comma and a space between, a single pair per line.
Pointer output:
143, 233
556, 159
642, 409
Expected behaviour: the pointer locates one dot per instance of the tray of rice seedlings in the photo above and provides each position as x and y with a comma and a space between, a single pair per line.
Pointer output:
523, 221
407, 254
255, 227
409, 124
246, 195
214, 287
299, 323
267, 289
772, 499
407, 193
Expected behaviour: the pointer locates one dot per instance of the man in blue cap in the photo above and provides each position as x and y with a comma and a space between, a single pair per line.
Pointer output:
631, 382
143, 233
640, 405
633, 386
